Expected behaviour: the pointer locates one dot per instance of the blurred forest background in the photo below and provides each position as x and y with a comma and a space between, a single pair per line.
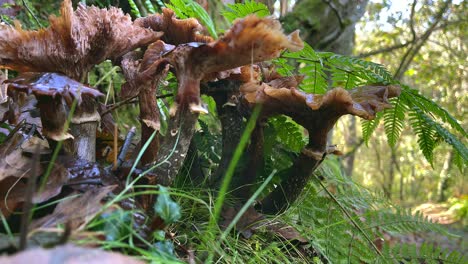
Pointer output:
423, 44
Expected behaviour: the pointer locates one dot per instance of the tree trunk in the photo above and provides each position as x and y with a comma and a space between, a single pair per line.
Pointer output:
444, 178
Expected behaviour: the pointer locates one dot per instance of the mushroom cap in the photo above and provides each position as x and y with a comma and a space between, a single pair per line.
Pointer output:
74, 42
316, 112
51, 84
176, 31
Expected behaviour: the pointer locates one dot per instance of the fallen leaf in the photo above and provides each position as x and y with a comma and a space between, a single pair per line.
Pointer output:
76, 211
68, 254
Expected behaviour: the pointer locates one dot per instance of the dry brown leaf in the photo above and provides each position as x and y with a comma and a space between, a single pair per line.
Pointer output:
12, 161
68, 254
76, 211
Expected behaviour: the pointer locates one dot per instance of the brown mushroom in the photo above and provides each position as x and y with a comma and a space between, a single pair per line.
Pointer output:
318, 114
54, 93
250, 40
143, 79
176, 31
73, 44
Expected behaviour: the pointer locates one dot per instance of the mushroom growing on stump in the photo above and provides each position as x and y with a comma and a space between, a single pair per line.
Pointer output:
55, 94
73, 44
318, 114
250, 40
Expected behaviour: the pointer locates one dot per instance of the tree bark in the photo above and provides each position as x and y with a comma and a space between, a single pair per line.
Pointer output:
444, 178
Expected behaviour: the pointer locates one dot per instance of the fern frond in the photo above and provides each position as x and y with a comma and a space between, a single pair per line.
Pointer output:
403, 221
235, 11
426, 253
394, 119
369, 126
312, 67
429, 106
149, 6
134, 9
430, 133
288, 133
443, 133
425, 132
190, 8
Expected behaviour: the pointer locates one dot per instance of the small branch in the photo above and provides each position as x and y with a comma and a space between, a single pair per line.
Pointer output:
125, 147
351, 219
355, 148
413, 51
411, 21
409, 42
129, 100
337, 13
27, 207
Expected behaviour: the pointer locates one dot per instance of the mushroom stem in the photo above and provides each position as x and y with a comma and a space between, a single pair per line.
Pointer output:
175, 145
289, 190
53, 117
232, 125
83, 127
149, 119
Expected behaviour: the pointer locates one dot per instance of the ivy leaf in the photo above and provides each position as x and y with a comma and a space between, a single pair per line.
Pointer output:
166, 208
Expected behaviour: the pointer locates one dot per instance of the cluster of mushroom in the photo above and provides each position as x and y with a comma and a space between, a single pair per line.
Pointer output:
52, 61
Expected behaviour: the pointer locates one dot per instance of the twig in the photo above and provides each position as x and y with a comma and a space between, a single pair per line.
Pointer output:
348, 215
413, 51
411, 21
26, 217
32, 14
129, 101
355, 148
409, 42
125, 147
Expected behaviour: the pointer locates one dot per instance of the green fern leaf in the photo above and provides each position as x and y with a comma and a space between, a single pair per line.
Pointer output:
288, 133
394, 120
369, 126
425, 132
190, 8
443, 133
429, 106
235, 11
310, 65
134, 9
426, 253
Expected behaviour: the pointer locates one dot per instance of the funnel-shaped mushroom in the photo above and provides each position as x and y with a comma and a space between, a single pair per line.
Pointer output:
74, 42
50, 89
176, 31
318, 114
250, 40
143, 79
